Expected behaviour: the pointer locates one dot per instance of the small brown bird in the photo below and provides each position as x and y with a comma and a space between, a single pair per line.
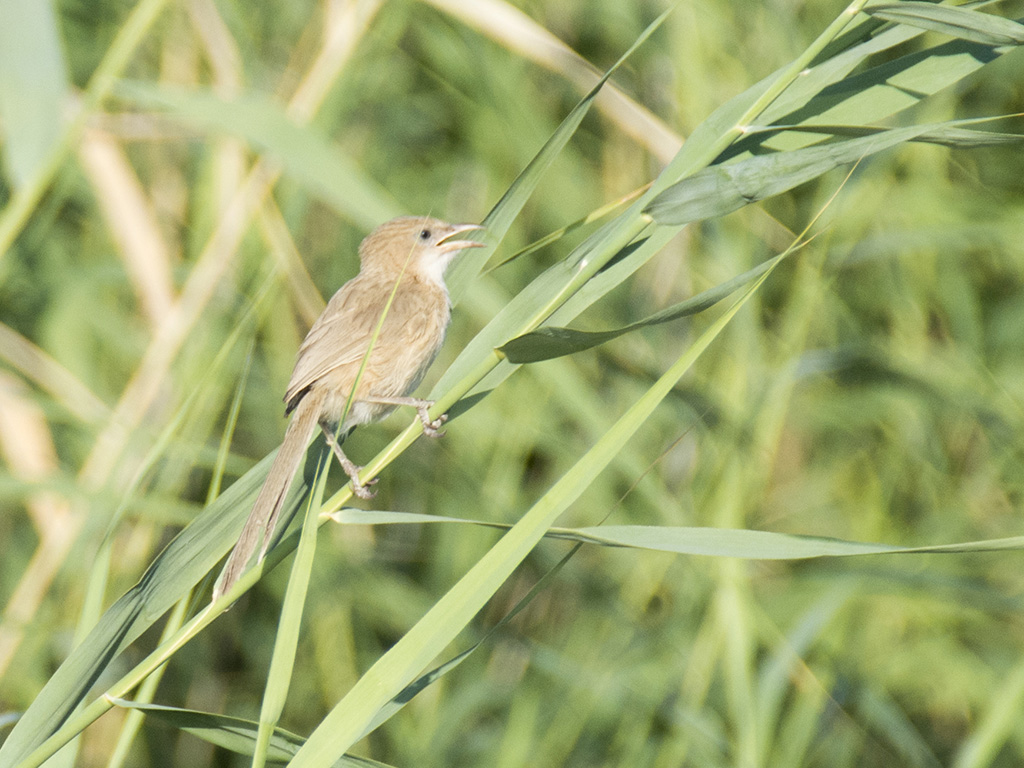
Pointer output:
399, 295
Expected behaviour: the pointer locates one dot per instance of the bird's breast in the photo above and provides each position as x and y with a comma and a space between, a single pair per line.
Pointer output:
410, 337
401, 351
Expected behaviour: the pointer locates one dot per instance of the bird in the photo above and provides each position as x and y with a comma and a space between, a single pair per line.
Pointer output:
364, 355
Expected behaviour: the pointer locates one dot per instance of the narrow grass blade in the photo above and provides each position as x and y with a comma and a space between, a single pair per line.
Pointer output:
762, 545
560, 288
552, 341
996, 722
950, 20
713, 542
416, 686
823, 80
564, 289
728, 123
287, 639
356, 516
235, 734
227, 436
946, 136
775, 677
613, 274
522, 314
147, 691
874, 94
553, 237
505, 211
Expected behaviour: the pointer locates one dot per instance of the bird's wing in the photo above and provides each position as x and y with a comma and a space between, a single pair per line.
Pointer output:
340, 336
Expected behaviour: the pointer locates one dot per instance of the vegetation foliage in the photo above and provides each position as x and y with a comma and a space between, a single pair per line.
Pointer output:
733, 470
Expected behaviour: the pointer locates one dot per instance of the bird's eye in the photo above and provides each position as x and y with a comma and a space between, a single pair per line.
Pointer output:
424, 234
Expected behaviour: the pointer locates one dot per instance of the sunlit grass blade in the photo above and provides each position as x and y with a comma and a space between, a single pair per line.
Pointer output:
728, 123
821, 81
948, 135
521, 313
950, 20
147, 692
135, 623
875, 94
558, 234
712, 542
186, 560
786, 660
762, 545
554, 291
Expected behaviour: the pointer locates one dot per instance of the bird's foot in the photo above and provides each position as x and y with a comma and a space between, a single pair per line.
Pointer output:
431, 427
359, 488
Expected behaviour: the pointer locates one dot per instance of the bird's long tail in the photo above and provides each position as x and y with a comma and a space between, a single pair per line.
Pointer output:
267, 508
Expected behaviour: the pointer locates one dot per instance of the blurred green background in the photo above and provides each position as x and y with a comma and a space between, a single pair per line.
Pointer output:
872, 391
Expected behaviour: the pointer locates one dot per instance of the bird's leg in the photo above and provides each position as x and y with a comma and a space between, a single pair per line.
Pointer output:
351, 469
431, 427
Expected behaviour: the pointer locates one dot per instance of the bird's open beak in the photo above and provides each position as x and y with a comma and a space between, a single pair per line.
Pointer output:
446, 244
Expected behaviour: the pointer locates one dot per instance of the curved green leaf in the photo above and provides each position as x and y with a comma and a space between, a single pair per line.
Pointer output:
945, 136
760, 545
722, 189
878, 92
950, 20
713, 542
551, 342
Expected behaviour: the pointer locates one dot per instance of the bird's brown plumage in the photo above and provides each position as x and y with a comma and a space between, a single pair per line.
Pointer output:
402, 264
333, 351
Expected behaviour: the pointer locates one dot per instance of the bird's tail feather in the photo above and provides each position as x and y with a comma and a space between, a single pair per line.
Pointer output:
263, 518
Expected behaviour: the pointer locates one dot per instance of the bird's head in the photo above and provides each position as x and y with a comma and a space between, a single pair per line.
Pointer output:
419, 245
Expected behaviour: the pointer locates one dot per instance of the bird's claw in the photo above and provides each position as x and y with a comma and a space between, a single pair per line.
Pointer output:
361, 489
432, 428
